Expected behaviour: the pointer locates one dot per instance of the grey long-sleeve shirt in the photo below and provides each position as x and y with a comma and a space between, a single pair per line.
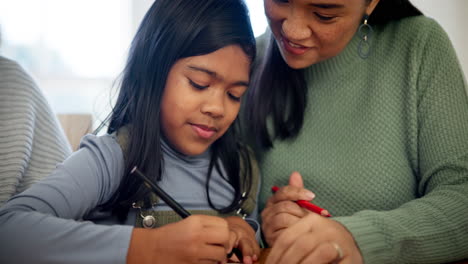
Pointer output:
44, 223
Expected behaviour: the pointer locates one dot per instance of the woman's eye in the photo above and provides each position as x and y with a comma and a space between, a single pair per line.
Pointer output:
324, 18
198, 86
234, 98
282, 1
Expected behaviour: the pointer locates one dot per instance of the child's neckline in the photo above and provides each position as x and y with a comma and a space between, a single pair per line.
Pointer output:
202, 159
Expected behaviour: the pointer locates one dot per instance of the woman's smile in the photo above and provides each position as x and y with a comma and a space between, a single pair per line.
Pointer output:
292, 47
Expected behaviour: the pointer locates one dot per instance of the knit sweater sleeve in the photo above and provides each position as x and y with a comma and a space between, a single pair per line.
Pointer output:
31, 139
44, 223
434, 227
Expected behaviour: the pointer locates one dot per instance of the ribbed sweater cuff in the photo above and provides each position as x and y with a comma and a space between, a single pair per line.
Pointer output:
369, 238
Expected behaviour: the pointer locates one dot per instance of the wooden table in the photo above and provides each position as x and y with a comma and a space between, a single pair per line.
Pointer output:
266, 251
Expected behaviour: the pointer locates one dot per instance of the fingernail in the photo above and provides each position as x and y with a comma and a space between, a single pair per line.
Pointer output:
254, 257
310, 195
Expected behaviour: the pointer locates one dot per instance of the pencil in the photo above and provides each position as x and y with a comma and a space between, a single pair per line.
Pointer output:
307, 205
162, 194
173, 204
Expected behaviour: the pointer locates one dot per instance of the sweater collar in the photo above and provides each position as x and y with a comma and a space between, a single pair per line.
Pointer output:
330, 68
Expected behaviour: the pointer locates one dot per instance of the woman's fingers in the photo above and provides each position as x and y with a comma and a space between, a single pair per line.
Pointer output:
286, 240
303, 245
328, 252
315, 239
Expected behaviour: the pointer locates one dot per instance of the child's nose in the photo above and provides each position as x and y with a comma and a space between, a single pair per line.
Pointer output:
214, 106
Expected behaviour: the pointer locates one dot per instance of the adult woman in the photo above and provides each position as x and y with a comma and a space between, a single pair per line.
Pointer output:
366, 100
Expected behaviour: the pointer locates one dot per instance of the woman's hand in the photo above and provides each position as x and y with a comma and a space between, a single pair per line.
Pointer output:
281, 211
315, 239
196, 239
242, 236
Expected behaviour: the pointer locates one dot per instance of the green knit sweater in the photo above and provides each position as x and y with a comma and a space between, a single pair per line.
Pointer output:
384, 145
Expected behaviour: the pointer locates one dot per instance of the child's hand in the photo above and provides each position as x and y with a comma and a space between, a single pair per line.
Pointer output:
281, 211
196, 239
242, 236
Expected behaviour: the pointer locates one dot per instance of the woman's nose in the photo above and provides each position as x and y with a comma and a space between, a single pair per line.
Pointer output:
295, 27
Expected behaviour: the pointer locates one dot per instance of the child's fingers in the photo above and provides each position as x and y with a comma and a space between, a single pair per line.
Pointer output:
212, 254
211, 221
287, 207
216, 235
214, 230
232, 240
290, 193
250, 250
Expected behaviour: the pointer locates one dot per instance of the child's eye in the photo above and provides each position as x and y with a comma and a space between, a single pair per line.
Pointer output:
198, 86
234, 98
324, 18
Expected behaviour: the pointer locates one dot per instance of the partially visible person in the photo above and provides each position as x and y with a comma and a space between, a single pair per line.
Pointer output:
180, 93
366, 101
32, 141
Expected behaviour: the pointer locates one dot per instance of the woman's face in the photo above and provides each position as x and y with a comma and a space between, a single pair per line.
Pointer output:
202, 98
310, 31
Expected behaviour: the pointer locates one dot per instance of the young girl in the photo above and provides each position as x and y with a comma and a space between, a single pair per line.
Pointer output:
188, 68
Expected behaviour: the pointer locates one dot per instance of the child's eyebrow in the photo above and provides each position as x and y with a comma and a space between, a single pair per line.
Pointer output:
196, 68
215, 75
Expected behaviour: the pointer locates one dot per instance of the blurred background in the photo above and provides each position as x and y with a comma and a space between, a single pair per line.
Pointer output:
75, 49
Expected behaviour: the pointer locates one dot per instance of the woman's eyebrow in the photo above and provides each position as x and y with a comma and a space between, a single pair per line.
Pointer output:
241, 83
328, 6
215, 75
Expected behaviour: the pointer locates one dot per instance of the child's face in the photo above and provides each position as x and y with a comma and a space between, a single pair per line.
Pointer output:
202, 98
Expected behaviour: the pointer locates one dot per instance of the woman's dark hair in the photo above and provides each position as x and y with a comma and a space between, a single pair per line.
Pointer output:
276, 102
391, 10
172, 30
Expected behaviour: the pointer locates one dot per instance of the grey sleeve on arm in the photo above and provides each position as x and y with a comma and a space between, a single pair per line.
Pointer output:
43, 224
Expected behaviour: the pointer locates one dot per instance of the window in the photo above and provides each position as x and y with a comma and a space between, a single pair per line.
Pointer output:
75, 49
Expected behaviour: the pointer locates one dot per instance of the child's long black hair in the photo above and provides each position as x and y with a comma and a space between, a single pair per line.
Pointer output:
172, 30
280, 92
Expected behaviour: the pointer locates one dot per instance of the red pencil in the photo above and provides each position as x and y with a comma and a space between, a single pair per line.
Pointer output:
307, 205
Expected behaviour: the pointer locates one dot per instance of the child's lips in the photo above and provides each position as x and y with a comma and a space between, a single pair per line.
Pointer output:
204, 131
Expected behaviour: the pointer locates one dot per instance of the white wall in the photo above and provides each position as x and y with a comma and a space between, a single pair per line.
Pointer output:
139, 8
452, 15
